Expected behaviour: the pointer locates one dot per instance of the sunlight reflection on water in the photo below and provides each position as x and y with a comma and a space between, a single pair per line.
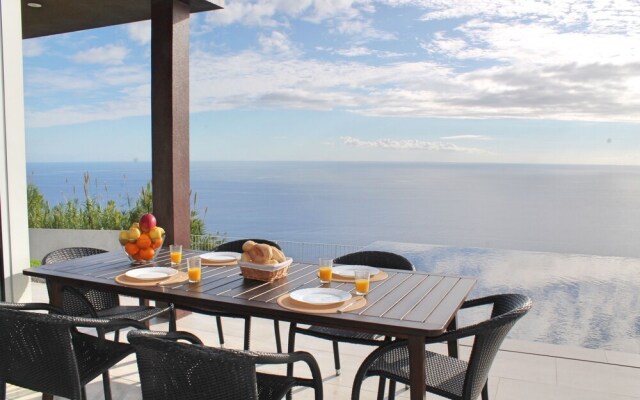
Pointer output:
579, 300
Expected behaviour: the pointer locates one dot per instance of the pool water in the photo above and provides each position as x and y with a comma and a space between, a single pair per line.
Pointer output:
578, 300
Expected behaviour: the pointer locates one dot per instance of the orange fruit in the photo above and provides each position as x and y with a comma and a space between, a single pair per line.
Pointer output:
157, 244
144, 241
137, 256
147, 254
131, 248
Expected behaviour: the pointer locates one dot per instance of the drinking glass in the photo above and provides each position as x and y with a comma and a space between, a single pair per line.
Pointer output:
194, 269
325, 269
361, 278
175, 252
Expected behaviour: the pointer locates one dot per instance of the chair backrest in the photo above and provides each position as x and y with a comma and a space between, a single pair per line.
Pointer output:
507, 310
71, 304
236, 245
377, 259
69, 253
170, 370
37, 353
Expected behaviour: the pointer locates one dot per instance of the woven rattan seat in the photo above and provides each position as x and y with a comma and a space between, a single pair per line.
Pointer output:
377, 259
447, 376
189, 371
45, 352
236, 246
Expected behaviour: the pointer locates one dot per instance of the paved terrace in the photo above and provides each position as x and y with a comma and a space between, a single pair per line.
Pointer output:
523, 370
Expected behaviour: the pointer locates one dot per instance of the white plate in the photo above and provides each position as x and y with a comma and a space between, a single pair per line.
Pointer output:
320, 296
348, 271
221, 256
151, 273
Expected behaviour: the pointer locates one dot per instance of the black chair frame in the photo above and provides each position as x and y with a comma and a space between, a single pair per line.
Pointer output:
449, 376
172, 370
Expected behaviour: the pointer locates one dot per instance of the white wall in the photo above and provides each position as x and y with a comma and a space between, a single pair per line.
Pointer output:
44, 241
13, 176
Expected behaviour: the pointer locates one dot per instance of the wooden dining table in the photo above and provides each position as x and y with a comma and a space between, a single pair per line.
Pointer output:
407, 304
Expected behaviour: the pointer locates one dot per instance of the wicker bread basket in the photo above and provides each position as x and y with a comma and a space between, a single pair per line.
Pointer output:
265, 272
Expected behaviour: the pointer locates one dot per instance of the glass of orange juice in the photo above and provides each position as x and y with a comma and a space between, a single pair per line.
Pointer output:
361, 278
194, 269
175, 252
325, 269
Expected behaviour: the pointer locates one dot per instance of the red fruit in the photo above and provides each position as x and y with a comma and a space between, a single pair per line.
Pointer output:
147, 222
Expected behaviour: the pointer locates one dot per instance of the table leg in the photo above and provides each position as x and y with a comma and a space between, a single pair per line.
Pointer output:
452, 345
54, 289
417, 376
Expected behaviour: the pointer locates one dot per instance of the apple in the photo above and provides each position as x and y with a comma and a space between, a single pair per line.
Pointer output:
147, 222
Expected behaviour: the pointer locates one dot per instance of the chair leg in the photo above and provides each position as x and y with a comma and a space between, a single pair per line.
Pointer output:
220, 333
106, 384
3, 390
84, 394
173, 324
485, 391
47, 396
336, 356
116, 335
392, 390
276, 330
247, 333
291, 343
381, 385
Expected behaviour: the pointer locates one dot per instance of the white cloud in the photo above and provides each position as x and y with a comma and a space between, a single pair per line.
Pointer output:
510, 60
466, 137
139, 32
410, 144
109, 54
277, 42
359, 51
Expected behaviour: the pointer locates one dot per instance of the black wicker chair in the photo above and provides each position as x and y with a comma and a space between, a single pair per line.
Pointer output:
99, 304
377, 259
172, 370
236, 246
447, 376
45, 352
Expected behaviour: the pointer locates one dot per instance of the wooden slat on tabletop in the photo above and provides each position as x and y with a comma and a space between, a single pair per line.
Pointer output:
425, 307
86, 264
442, 314
297, 272
412, 292
281, 286
394, 296
378, 299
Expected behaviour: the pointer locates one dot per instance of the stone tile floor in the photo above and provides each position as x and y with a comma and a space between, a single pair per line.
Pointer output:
522, 370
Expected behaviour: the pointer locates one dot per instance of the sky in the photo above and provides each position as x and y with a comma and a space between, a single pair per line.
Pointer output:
495, 81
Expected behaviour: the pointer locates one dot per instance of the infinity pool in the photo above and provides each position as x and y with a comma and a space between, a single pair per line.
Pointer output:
579, 300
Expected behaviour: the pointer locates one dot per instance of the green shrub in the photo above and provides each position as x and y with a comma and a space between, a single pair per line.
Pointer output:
90, 214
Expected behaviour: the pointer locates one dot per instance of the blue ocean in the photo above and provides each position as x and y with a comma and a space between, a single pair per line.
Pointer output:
577, 225
557, 208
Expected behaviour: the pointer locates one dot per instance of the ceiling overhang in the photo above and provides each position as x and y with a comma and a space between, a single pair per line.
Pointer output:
62, 16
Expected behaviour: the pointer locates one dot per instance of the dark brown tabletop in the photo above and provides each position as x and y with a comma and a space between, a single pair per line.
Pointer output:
406, 304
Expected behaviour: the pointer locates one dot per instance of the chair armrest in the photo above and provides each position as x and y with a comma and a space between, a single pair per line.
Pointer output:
290, 358
174, 336
32, 307
104, 323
